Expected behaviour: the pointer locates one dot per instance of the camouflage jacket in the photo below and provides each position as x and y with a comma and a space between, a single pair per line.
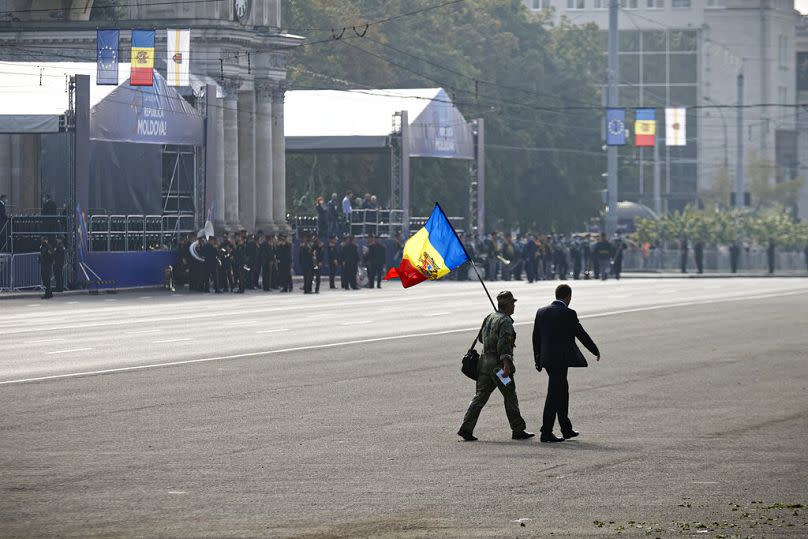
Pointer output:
498, 336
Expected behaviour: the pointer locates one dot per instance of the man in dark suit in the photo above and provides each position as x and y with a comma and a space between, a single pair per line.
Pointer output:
554, 350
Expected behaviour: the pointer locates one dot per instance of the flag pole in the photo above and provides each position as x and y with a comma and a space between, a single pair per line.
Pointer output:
473, 265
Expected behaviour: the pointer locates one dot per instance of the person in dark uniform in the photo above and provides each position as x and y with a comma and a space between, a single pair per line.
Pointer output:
197, 270
59, 265
251, 252
617, 249
734, 256
265, 263
683, 255
306, 257
698, 255
554, 332
377, 255
602, 252
498, 338
283, 252
333, 261
349, 256
317, 254
530, 258
211, 267
239, 261
770, 255
50, 210
575, 255
46, 266
322, 218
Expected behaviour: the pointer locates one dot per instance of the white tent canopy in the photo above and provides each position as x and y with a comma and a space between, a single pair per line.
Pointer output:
334, 120
34, 95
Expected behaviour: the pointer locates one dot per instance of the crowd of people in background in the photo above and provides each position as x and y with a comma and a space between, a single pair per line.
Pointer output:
546, 257
260, 261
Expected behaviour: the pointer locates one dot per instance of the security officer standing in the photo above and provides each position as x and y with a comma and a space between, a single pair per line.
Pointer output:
317, 254
306, 257
59, 265
498, 337
283, 252
46, 266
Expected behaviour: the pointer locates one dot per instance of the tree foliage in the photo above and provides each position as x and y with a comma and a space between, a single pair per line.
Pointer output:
499, 63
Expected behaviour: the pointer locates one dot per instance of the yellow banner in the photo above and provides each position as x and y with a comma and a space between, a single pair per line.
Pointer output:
142, 58
645, 127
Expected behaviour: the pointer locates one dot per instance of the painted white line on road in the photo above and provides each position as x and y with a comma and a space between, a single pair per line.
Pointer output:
372, 340
143, 331
437, 314
34, 305
68, 351
40, 341
110, 299
177, 492
171, 340
241, 323
145, 297
272, 330
72, 302
355, 322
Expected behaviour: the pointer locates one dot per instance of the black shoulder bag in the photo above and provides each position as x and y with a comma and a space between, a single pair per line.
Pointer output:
469, 363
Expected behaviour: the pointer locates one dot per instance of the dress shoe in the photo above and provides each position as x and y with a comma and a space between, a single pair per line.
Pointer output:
570, 434
524, 435
467, 436
550, 438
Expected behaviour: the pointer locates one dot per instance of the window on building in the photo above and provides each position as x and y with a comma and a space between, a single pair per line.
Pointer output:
655, 4
539, 4
600, 4
680, 3
628, 4
576, 4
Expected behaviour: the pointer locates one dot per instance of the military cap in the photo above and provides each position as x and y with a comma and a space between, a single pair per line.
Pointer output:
504, 297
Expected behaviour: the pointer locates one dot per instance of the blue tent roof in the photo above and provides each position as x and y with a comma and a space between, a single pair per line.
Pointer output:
155, 114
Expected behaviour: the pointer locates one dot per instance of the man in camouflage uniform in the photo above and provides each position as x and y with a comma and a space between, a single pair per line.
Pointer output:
498, 337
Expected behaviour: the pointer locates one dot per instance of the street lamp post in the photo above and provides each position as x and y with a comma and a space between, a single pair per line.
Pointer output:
724, 126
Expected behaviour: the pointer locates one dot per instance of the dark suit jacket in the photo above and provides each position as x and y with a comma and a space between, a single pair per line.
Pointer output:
554, 334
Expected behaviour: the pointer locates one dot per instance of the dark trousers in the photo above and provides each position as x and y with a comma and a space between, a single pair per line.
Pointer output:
46, 279
348, 277
285, 278
308, 276
317, 280
557, 403
266, 278
374, 275
59, 274
332, 274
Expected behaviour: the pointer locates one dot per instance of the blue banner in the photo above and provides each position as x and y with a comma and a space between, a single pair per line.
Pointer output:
616, 127
107, 56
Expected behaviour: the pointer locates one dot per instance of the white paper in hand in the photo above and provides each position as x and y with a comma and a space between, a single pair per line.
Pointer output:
502, 378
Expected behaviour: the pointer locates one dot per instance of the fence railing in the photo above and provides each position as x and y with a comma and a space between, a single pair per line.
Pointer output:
380, 223
21, 271
715, 260
137, 232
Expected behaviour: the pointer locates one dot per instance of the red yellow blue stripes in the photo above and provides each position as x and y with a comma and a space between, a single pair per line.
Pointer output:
142, 70
644, 127
431, 253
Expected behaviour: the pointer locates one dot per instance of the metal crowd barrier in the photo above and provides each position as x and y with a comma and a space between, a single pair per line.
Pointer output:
137, 232
21, 271
380, 223
23, 231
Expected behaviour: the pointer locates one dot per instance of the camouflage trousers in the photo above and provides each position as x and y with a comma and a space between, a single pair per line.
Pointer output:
487, 381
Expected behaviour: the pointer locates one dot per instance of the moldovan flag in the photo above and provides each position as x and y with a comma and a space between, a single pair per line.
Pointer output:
142, 73
675, 127
431, 253
644, 127
179, 57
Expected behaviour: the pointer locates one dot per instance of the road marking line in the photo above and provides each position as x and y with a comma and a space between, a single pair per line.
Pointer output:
171, 340
143, 332
145, 297
371, 340
272, 330
177, 492
34, 305
437, 314
355, 322
72, 302
43, 341
67, 351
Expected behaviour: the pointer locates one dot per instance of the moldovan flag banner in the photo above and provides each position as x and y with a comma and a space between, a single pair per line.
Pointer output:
178, 63
106, 46
675, 133
431, 253
644, 127
142, 73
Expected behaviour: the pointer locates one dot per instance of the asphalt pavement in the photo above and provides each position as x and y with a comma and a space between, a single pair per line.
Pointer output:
334, 415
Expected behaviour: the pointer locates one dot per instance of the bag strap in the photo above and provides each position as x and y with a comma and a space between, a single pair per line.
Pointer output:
479, 334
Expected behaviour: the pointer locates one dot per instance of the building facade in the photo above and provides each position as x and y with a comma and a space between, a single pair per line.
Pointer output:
689, 53
236, 45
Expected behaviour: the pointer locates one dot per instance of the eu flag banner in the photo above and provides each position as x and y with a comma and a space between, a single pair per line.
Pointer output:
644, 127
615, 127
106, 44
142, 73
431, 253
